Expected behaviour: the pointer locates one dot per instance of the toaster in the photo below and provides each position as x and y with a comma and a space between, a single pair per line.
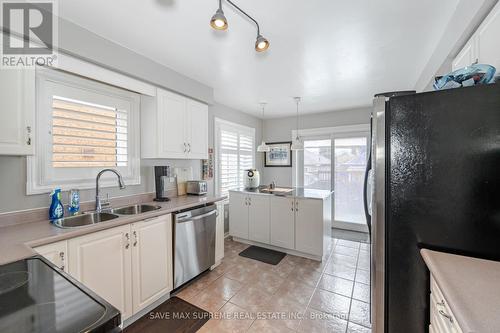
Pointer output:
197, 187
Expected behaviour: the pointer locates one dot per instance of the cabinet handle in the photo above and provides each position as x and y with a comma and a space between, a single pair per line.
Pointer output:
185, 148
61, 255
127, 236
135, 238
296, 206
249, 201
440, 303
28, 140
447, 316
293, 203
189, 147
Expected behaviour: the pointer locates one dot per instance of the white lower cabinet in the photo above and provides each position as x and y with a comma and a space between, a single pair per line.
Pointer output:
129, 266
238, 215
102, 261
56, 253
309, 226
259, 218
283, 222
152, 275
219, 232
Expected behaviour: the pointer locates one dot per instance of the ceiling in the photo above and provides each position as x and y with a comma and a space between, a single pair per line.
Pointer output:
336, 54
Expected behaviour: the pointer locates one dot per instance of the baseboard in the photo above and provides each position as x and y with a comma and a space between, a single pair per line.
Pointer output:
277, 248
144, 311
350, 226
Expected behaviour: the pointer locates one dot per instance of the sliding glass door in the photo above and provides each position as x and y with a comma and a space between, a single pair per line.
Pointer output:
338, 161
350, 155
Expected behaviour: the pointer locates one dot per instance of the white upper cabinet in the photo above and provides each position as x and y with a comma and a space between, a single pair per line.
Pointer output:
484, 45
465, 57
488, 39
173, 126
17, 111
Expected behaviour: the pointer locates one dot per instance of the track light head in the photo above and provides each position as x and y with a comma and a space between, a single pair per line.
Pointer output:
261, 44
219, 21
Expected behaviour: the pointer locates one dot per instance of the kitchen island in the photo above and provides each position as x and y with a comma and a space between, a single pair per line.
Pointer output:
292, 220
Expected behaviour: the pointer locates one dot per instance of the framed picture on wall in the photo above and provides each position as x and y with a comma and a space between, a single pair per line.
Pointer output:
280, 154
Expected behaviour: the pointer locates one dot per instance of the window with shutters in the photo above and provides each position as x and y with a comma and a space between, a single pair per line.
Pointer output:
235, 151
82, 127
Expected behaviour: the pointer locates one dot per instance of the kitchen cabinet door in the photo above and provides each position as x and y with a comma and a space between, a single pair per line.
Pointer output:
282, 222
56, 253
238, 215
259, 218
151, 260
219, 233
102, 262
172, 121
17, 111
309, 226
466, 57
197, 130
488, 39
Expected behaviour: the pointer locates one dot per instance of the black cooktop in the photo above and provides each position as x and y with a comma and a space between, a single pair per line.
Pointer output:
37, 297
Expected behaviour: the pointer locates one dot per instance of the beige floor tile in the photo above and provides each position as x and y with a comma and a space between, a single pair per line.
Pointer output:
241, 273
223, 288
337, 285
319, 322
268, 281
296, 291
360, 313
363, 276
283, 269
208, 302
326, 301
286, 310
342, 259
251, 298
361, 292
340, 270
196, 286
269, 326
231, 318
305, 275
355, 328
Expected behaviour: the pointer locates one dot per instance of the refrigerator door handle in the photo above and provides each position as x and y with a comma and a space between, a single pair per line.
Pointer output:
365, 194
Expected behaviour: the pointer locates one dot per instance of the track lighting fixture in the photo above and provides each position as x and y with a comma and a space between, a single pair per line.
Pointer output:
219, 22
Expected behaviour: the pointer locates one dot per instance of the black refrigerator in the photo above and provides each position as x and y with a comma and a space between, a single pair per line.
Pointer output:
435, 183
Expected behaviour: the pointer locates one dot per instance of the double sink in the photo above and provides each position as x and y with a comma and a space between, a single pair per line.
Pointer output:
98, 217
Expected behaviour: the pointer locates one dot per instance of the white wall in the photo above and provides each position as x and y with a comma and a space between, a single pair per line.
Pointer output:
276, 130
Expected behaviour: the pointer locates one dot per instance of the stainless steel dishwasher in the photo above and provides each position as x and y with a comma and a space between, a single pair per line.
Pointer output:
194, 243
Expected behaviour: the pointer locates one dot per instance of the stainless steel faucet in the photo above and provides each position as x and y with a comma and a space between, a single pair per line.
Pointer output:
98, 203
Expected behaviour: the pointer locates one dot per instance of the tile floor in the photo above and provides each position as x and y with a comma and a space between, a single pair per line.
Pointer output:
297, 295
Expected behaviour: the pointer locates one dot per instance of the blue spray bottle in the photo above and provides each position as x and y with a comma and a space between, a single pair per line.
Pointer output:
56, 210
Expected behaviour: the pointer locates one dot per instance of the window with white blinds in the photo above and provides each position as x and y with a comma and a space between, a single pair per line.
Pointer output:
87, 135
82, 127
235, 148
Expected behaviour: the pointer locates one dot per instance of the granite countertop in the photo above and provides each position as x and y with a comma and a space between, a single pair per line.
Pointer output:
17, 240
298, 192
470, 287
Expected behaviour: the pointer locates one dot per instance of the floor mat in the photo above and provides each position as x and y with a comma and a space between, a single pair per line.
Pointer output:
173, 315
265, 255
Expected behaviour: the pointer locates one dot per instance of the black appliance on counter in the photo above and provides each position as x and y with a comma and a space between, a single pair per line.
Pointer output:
435, 184
162, 175
37, 297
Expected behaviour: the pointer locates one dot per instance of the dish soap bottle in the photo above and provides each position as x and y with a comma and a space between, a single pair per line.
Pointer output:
56, 210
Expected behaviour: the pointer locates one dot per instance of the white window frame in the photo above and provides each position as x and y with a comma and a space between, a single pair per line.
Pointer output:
40, 174
218, 125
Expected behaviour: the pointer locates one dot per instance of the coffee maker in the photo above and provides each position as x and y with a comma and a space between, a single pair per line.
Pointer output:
162, 175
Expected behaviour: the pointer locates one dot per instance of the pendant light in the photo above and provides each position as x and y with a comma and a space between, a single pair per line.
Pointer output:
263, 148
297, 143
219, 21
